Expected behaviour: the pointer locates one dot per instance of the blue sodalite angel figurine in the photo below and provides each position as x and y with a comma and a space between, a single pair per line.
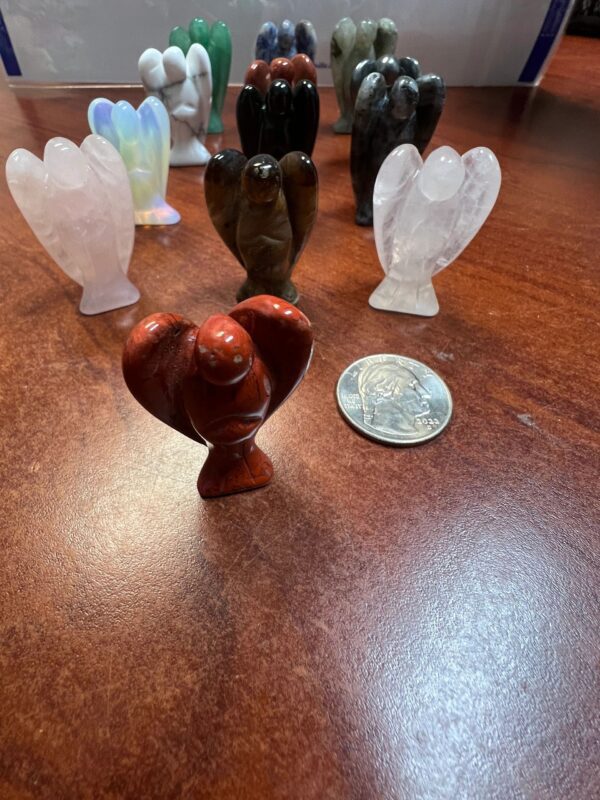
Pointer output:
285, 41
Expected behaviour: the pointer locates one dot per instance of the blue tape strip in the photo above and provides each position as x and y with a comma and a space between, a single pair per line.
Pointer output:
7, 53
543, 44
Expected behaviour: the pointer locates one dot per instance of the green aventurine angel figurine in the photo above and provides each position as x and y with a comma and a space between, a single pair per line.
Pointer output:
217, 41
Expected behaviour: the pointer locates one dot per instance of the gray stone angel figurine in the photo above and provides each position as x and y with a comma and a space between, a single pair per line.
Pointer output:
394, 105
264, 211
351, 44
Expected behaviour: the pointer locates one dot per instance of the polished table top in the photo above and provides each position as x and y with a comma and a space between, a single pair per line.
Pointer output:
376, 623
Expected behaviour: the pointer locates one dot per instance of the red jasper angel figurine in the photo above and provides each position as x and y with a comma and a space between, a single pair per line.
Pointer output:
218, 382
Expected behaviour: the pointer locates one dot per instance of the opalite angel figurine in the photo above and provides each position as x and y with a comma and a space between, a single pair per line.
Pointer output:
78, 203
184, 84
142, 138
425, 214
351, 44
216, 38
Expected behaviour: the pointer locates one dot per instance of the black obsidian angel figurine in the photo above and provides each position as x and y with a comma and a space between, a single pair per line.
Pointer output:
394, 105
279, 122
264, 211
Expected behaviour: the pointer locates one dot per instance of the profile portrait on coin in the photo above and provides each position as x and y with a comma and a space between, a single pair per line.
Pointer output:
392, 397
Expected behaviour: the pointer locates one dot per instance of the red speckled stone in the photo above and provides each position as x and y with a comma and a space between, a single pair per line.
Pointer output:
218, 382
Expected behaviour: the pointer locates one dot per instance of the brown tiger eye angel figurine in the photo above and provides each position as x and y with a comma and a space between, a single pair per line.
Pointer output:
264, 211
218, 382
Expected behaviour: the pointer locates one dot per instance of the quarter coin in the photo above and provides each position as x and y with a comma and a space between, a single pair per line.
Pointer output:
394, 399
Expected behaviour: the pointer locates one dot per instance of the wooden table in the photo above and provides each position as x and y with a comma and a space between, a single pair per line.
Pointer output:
378, 622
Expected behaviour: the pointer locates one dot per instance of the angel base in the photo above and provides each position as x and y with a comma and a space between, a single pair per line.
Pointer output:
215, 123
234, 468
405, 297
284, 289
158, 213
189, 154
343, 124
118, 294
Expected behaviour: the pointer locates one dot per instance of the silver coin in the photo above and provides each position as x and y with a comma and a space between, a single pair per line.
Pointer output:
394, 399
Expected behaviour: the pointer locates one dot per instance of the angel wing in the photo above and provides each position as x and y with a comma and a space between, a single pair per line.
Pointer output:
477, 197
305, 120
306, 38
110, 170
300, 184
392, 185
372, 96
159, 352
283, 337
432, 96
249, 112
156, 137
26, 176
219, 53
342, 42
266, 42
200, 73
222, 188
386, 37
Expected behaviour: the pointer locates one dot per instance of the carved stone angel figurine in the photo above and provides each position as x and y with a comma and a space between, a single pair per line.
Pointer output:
280, 121
395, 105
184, 84
352, 43
143, 139
78, 203
218, 382
425, 216
264, 211
285, 41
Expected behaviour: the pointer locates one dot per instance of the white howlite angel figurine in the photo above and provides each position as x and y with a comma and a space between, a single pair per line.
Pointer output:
424, 215
143, 138
78, 203
184, 84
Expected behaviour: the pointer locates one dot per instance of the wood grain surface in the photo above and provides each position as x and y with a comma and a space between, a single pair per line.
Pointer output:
377, 622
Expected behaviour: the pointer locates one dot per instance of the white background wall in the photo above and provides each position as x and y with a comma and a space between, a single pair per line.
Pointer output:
99, 41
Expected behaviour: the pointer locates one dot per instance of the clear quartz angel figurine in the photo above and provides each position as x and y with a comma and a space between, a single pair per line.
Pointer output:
184, 84
143, 139
78, 203
425, 214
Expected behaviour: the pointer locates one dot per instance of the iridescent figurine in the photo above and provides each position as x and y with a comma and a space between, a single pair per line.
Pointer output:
77, 201
184, 84
142, 138
217, 41
351, 44
425, 214
286, 41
